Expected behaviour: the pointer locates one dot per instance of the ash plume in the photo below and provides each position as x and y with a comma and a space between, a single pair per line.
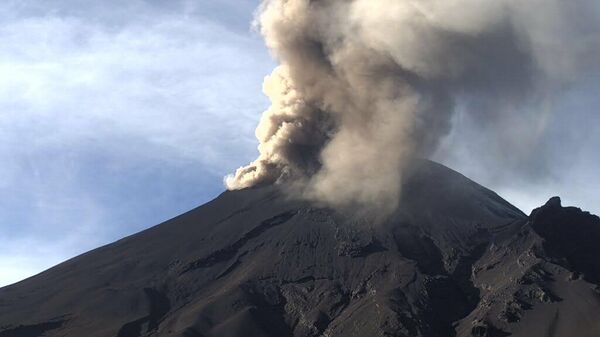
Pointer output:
366, 86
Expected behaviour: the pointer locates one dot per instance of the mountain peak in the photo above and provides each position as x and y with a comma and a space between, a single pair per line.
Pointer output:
553, 202
455, 259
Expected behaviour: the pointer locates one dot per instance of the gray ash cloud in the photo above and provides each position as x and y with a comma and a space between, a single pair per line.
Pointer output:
364, 86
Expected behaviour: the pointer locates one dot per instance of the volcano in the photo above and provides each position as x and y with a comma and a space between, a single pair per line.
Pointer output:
454, 259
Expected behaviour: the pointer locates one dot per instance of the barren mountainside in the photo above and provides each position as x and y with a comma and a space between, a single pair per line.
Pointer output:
454, 259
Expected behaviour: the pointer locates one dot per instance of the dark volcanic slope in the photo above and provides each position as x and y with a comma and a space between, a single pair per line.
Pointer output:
455, 259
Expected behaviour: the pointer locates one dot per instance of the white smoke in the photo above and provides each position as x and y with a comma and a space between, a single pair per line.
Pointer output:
364, 86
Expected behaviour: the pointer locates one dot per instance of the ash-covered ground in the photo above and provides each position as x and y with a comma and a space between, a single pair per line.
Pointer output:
454, 259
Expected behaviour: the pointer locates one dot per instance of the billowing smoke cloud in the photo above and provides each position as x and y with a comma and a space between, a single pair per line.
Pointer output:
364, 86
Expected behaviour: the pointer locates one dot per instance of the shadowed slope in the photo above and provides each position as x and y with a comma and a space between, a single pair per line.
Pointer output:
257, 263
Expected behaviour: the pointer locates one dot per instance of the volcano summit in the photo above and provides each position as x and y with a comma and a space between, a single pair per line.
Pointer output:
454, 259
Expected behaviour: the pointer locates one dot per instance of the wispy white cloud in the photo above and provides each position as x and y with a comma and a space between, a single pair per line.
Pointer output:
110, 123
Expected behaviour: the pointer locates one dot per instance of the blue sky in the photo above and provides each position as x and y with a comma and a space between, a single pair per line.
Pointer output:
115, 116
118, 115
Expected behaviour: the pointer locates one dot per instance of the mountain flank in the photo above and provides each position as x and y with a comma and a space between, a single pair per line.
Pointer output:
454, 259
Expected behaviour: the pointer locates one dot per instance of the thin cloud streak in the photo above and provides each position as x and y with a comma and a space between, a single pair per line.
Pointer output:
111, 125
